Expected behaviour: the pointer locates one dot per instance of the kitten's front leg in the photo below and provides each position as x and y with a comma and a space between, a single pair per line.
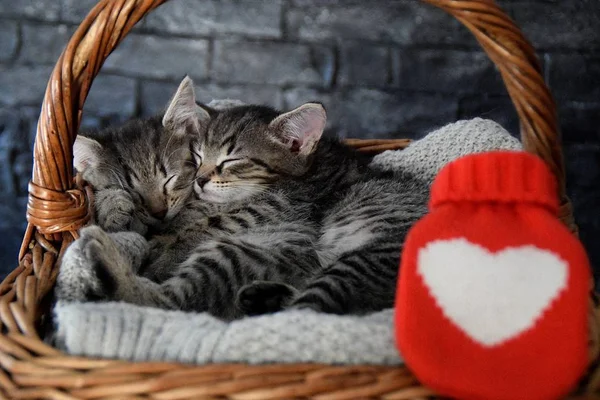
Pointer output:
115, 211
81, 276
101, 266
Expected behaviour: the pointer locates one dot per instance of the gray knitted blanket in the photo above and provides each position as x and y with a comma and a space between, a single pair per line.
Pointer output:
128, 332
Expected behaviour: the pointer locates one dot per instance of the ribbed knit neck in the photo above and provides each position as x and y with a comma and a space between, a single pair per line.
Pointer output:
500, 176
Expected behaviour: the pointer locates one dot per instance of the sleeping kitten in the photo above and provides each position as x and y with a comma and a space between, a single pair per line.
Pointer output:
283, 218
142, 172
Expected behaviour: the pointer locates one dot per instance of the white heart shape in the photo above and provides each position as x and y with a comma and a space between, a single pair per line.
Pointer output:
492, 297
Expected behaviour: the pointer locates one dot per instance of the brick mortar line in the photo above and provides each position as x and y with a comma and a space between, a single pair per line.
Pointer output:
144, 31
283, 25
209, 63
586, 53
19, 44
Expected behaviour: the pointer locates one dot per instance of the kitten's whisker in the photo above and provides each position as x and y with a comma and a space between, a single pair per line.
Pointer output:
190, 184
168, 143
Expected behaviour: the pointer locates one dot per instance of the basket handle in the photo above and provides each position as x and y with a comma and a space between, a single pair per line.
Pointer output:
56, 206
521, 72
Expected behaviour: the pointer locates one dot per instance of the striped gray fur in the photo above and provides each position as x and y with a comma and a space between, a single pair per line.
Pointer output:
142, 172
280, 218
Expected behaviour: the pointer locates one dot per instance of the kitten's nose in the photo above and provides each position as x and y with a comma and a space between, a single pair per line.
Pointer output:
202, 181
159, 214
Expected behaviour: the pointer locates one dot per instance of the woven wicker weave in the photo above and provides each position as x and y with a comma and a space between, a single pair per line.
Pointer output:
59, 205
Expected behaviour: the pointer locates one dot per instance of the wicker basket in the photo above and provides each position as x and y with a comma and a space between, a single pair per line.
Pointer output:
59, 205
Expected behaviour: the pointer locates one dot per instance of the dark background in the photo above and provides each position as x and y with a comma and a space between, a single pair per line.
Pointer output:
383, 69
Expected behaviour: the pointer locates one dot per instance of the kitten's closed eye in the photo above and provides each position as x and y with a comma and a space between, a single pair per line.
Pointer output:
197, 157
231, 160
167, 182
231, 163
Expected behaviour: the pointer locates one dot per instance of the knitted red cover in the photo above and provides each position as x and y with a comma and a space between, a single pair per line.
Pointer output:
492, 298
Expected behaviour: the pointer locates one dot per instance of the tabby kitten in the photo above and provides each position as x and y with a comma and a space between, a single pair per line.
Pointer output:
142, 172
283, 218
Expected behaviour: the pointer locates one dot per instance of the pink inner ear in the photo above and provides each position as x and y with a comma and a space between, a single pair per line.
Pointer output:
309, 128
299, 130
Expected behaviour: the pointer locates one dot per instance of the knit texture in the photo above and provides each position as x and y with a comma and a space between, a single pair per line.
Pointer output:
496, 177
492, 300
128, 332
427, 156
124, 331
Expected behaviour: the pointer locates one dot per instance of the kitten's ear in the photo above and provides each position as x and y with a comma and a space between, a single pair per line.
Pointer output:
86, 153
182, 111
301, 129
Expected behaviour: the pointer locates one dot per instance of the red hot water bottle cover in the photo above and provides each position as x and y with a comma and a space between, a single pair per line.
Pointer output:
492, 298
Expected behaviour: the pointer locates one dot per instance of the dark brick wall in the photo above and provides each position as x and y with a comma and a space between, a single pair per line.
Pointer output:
383, 68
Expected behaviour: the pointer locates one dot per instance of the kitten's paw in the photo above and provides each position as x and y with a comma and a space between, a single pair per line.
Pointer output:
91, 269
77, 279
264, 297
115, 211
